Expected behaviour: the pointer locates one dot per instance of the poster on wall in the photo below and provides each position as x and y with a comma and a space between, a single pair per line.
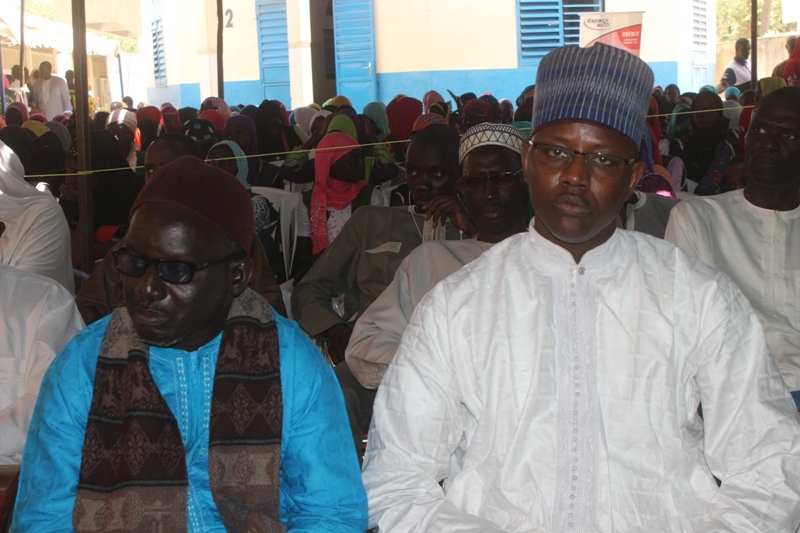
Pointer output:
621, 30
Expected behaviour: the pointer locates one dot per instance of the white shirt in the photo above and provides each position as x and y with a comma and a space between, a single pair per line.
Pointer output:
36, 236
52, 96
760, 250
550, 396
377, 332
37, 318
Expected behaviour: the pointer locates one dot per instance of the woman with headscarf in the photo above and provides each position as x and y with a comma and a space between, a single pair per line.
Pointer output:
791, 71
658, 140
114, 188
707, 150
242, 130
302, 117
214, 117
18, 139
47, 162
731, 107
172, 119
203, 132
767, 85
150, 113
275, 141
230, 157
16, 114
62, 133
476, 112
123, 124
217, 104
35, 128
339, 189
431, 97
401, 113
376, 112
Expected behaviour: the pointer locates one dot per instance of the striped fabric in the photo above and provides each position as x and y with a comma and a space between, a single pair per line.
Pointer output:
600, 84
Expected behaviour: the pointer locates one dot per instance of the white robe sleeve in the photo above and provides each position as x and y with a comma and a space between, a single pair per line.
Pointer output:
416, 428
377, 333
752, 430
681, 228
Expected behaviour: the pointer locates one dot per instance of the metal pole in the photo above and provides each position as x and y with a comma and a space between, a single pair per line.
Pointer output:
220, 27
121, 85
22, 40
2, 85
86, 220
753, 44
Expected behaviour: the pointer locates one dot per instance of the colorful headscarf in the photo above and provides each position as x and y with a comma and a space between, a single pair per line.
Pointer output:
329, 192
199, 129
402, 113
218, 104
22, 108
376, 111
344, 124
62, 133
427, 119
38, 128
430, 98
303, 117
253, 163
39, 117
679, 121
339, 101
732, 92
767, 85
151, 113
791, 70
128, 119
241, 160
481, 106
215, 118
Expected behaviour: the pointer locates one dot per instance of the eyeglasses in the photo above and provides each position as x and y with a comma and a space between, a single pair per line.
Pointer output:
176, 272
477, 183
599, 165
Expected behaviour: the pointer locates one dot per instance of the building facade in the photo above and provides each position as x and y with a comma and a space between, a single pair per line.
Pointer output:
299, 51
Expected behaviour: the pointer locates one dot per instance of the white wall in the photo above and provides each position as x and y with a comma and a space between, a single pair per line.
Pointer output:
425, 35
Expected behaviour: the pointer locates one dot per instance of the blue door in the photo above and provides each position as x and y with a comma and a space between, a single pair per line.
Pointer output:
273, 49
354, 42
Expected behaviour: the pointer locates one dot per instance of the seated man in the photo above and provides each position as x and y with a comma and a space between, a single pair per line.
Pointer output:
753, 235
496, 201
554, 383
362, 260
34, 235
193, 407
102, 292
39, 318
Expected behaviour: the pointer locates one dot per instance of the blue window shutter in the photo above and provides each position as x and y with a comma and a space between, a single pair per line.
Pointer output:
572, 19
548, 24
273, 49
539, 29
354, 42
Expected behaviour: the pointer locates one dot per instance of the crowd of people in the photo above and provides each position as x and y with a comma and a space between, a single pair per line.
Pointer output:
577, 311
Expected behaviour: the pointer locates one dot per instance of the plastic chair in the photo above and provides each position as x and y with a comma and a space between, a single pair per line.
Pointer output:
286, 204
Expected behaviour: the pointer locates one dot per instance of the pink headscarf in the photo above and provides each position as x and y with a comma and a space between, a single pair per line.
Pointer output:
220, 105
214, 117
430, 98
329, 192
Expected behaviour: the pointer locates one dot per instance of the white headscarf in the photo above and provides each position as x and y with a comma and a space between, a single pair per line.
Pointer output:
303, 117
127, 118
36, 236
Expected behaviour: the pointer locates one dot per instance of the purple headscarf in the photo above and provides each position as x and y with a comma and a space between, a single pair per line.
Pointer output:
253, 163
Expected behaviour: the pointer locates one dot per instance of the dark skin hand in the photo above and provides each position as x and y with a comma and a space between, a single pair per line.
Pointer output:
441, 208
339, 336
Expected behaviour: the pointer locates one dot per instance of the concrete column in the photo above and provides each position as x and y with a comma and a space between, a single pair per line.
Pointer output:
298, 21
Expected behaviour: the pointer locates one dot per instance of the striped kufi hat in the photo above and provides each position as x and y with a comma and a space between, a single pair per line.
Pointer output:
488, 134
600, 84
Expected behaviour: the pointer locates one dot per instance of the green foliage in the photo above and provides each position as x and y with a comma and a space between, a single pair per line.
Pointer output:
733, 19
42, 8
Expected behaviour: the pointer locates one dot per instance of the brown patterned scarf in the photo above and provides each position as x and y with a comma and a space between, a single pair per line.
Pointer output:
133, 473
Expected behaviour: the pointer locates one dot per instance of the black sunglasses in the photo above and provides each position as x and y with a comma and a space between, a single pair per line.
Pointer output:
176, 272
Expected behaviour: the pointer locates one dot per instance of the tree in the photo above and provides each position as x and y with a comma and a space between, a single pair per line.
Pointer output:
733, 18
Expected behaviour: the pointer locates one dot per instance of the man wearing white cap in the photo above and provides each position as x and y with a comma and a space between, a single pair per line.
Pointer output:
555, 383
